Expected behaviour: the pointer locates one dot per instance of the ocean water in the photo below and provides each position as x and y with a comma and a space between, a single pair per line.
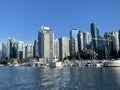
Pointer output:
68, 78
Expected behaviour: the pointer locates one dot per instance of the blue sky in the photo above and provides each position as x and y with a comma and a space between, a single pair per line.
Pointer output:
22, 19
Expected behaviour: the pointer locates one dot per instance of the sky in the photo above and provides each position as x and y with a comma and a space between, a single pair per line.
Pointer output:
22, 19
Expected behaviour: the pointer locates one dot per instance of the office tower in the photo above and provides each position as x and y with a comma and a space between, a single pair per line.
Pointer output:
109, 43
84, 40
4, 50
115, 41
28, 50
87, 39
35, 49
64, 50
119, 38
21, 50
73, 42
12, 48
56, 48
46, 43
102, 48
80, 41
25, 51
0, 54
95, 35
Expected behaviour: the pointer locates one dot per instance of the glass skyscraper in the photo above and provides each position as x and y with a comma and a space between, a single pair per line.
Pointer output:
35, 49
64, 50
12, 48
46, 43
95, 35
73, 42
20, 50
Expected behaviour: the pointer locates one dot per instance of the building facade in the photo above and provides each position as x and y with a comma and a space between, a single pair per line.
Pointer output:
84, 40
73, 42
21, 50
35, 49
29, 51
4, 50
64, 49
80, 41
56, 48
46, 43
12, 48
115, 40
95, 35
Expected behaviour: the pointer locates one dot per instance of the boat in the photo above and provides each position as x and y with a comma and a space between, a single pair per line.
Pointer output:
55, 63
1, 65
15, 64
112, 63
68, 63
76, 63
98, 64
89, 64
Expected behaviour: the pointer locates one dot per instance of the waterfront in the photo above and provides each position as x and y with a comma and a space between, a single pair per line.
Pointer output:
67, 78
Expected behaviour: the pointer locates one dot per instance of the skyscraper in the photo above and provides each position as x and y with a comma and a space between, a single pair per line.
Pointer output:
87, 39
35, 49
4, 50
109, 43
29, 50
12, 48
21, 50
0, 54
64, 49
95, 35
119, 38
115, 40
80, 41
46, 43
102, 49
84, 40
56, 48
73, 42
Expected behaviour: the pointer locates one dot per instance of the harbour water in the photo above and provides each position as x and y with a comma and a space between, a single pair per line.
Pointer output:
67, 78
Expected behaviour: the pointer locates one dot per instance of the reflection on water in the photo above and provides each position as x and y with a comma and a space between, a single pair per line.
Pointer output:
29, 78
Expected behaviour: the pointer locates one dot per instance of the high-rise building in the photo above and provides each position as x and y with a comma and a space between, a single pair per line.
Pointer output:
84, 40
64, 49
87, 39
12, 48
80, 41
21, 50
35, 49
56, 48
0, 54
119, 38
109, 43
73, 42
95, 35
46, 43
4, 50
102, 47
28, 50
115, 40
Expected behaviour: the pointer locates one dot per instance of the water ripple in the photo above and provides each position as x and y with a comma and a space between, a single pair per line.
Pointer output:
29, 78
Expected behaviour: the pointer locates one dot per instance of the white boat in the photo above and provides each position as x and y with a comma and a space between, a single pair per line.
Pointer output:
1, 65
77, 63
15, 64
98, 64
68, 63
112, 63
89, 64
55, 63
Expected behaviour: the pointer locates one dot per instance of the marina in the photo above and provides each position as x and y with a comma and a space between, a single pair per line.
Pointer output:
54, 63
